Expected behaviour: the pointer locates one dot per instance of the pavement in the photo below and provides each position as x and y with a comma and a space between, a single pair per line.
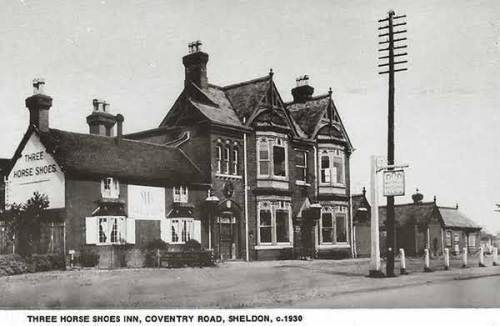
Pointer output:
273, 284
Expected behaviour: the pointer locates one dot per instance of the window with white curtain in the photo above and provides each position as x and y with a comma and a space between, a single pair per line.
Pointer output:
272, 157
332, 167
181, 230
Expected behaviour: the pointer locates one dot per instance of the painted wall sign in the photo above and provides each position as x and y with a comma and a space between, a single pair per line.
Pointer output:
146, 203
394, 183
35, 170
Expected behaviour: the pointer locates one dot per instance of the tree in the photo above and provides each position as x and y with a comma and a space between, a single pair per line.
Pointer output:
24, 222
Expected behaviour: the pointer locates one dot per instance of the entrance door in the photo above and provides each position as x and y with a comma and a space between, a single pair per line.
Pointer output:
227, 237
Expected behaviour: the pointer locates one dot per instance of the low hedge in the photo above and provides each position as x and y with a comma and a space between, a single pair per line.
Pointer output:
15, 264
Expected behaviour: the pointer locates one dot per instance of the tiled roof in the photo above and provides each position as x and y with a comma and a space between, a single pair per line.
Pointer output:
452, 217
412, 213
223, 112
358, 201
245, 96
141, 162
309, 114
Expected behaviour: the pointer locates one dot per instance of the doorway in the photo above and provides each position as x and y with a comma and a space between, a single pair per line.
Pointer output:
227, 228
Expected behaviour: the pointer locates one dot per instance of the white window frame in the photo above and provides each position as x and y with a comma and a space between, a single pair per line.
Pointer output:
180, 194
188, 222
227, 159
110, 188
273, 207
105, 224
448, 238
331, 170
471, 240
235, 159
335, 212
271, 141
303, 179
219, 158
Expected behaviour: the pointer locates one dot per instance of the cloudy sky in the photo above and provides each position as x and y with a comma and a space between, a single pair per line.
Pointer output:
129, 53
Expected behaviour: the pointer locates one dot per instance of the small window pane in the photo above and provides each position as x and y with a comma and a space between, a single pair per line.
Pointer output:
341, 228
338, 165
265, 217
279, 161
282, 226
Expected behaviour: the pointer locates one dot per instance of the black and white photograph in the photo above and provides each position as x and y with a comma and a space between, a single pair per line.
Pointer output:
249, 162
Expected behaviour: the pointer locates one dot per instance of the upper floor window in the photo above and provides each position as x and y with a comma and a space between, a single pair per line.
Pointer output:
301, 165
227, 150
235, 159
180, 194
219, 158
272, 157
110, 188
332, 167
333, 225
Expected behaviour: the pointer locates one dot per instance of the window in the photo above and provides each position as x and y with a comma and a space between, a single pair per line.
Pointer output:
180, 194
235, 160
448, 238
272, 157
264, 157
226, 159
111, 229
219, 158
279, 160
110, 188
274, 222
181, 230
332, 167
472, 240
301, 166
333, 225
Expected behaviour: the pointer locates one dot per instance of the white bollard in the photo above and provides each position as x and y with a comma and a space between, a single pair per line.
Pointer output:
446, 259
402, 269
495, 256
465, 257
481, 257
427, 267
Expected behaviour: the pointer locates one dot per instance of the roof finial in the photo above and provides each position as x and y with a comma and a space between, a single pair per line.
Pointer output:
271, 73
456, 206
330, 92
434, 199
364, 191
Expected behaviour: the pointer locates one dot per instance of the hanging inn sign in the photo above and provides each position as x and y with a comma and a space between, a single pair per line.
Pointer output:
394, 183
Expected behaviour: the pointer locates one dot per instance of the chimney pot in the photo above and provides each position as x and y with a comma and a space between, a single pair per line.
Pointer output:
119, 120
100, 121
39, 105
302, 92
195, 64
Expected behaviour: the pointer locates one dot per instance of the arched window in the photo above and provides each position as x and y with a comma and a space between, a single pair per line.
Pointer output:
218, 158
227, 152
235, 159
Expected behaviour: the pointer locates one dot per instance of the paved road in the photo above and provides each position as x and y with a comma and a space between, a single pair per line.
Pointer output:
483, 292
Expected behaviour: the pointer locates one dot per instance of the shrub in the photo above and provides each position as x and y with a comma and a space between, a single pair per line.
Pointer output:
88, 258
15, 264
135, 258
156, 244
192, 245
12, 264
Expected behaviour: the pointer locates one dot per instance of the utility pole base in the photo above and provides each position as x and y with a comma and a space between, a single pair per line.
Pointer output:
403, 271
446, 268
427, 270
376, 274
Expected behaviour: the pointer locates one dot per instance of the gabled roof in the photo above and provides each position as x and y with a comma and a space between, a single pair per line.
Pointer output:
101, 156
359, 201
421, 213
245, 96
452, 217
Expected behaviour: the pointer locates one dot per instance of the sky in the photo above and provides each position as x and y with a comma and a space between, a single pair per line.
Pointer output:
130, 54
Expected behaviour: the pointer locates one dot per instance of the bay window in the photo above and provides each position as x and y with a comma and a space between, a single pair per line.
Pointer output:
272, 157
301, 166
182, 230
333, 225
332, 172
111, 229
274, 223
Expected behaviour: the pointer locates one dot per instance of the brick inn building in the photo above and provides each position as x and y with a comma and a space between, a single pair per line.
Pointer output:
234, 167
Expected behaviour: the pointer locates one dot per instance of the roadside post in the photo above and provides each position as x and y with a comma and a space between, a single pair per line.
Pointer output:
481, 257
393, 186
402, 269
465, 257
495, 256
446, 259
427, 267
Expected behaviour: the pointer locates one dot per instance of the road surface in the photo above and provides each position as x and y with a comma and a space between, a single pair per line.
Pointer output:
482, 292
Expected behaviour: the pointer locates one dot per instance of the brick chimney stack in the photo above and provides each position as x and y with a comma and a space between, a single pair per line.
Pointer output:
195, 64
39, 105
101, 121
303, 92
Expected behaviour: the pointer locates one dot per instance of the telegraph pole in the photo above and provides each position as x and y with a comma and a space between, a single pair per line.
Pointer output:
390, 38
